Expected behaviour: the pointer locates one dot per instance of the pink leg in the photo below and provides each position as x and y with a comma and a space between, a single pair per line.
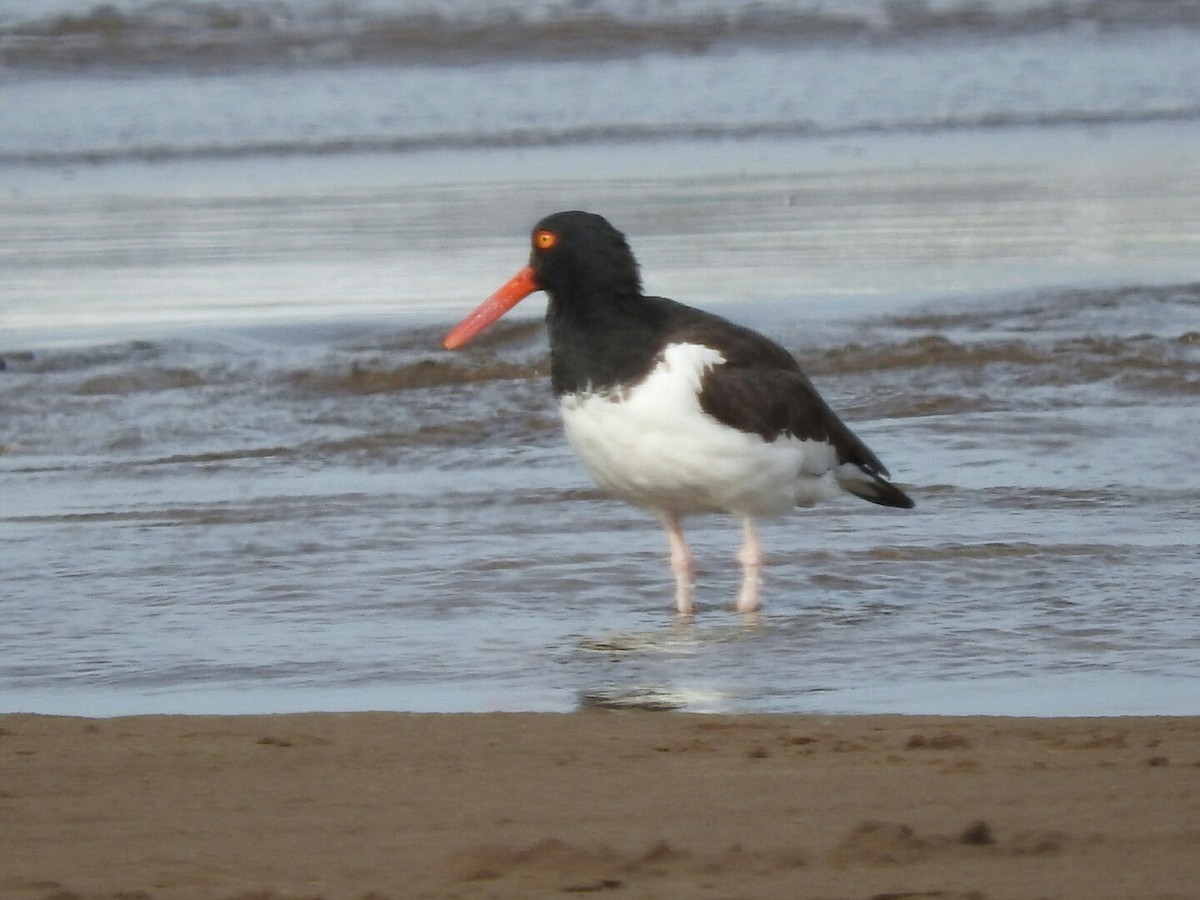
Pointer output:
681, 565
751, 558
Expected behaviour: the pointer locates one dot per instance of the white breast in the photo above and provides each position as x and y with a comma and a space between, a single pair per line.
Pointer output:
653, 446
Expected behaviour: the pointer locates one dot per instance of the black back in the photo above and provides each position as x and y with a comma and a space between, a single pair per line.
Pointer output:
605, 335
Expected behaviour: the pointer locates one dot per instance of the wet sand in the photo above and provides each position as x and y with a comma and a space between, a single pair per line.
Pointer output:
629, 804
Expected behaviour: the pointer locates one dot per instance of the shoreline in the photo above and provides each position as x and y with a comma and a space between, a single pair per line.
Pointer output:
1079, 697
636, 804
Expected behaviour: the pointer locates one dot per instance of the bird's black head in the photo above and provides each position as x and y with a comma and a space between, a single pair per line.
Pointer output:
579, 256
582, 262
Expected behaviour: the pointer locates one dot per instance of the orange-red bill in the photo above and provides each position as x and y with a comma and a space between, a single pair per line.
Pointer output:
510, 294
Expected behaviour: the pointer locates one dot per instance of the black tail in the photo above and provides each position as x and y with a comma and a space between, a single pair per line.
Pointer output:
875, 489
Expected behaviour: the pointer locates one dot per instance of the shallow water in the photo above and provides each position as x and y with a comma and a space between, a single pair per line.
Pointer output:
349, 518
237, 473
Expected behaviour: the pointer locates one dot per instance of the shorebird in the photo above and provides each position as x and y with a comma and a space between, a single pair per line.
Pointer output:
674, 409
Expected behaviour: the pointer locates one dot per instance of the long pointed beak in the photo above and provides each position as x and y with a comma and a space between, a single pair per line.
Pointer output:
510, 294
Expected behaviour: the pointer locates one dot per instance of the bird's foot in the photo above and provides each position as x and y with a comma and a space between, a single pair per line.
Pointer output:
685, 603
681, 567
751, 559
748, 598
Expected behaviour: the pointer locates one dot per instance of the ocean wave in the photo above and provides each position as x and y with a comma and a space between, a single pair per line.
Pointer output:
622, 133
48, 362
1128, 337
1136, 362
392, 399
189, 33
359, 378
141, 381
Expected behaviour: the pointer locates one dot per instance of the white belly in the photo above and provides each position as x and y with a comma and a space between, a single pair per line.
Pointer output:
654, 446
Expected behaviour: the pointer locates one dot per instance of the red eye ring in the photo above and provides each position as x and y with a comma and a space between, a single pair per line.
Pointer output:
544, 240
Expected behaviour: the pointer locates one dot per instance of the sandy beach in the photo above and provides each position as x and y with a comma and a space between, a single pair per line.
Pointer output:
631, 804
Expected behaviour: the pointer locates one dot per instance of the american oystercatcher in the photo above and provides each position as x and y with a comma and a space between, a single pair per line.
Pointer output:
674, 409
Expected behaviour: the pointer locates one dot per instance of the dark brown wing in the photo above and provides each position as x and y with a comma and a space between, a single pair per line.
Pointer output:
760, 389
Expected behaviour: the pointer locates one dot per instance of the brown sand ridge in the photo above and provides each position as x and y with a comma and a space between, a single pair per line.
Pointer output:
628, 804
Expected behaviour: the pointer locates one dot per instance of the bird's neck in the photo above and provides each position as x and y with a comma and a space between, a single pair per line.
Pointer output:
599, 343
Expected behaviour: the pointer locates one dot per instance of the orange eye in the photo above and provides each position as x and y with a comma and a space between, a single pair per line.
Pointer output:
544, 240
